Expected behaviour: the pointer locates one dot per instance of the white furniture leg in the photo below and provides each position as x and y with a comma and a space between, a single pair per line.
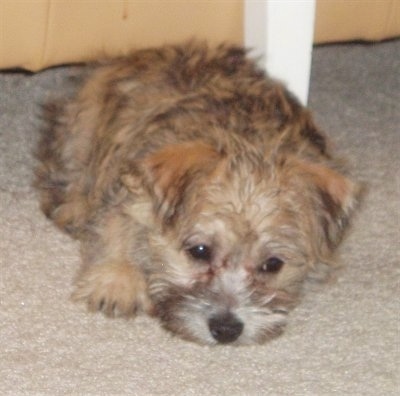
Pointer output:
280, 32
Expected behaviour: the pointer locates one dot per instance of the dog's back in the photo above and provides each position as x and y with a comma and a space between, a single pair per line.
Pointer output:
128, 107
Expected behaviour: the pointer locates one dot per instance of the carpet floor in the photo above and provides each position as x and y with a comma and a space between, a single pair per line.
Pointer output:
343, 340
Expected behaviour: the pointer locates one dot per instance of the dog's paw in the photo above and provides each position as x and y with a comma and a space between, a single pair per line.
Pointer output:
117, 290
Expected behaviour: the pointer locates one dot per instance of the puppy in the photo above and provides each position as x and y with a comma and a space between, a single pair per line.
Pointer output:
201, 191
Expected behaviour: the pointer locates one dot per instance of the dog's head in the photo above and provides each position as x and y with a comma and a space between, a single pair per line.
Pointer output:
236, 237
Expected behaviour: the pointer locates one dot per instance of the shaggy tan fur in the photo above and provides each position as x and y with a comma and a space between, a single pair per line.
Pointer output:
201, 190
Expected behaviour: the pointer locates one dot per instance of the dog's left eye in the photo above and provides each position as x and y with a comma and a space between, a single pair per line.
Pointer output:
201, 252
271, 265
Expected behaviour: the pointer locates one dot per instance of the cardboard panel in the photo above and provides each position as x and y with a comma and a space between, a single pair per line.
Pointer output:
37, 34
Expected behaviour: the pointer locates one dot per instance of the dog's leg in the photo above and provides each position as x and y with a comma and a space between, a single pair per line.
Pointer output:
115, 288
109, 281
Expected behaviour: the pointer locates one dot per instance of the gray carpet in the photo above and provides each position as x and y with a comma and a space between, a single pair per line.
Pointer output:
344, 340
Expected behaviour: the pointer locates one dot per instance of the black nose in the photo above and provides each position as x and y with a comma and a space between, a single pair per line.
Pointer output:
225, 328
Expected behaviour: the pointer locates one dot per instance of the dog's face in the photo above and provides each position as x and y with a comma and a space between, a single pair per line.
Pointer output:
237, 237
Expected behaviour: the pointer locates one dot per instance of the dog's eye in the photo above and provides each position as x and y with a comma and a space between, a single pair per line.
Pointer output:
271, 265
200, 252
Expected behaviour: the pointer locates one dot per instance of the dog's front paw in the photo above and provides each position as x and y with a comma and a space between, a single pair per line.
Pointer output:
116, 289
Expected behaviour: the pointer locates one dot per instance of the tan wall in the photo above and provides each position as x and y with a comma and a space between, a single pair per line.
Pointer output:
340, 20
38, 33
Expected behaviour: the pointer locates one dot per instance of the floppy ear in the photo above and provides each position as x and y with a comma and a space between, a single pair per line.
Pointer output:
335, 196
169, 173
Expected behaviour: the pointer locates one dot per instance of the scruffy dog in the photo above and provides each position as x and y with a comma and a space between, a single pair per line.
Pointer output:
200, 189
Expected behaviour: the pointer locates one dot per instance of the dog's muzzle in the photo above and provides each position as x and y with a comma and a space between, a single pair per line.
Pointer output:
225, 328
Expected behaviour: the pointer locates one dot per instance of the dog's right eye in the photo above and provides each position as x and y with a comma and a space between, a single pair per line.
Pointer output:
200, 252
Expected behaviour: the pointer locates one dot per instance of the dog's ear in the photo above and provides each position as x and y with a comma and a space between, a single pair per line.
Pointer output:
169, 173
334, 197
338, 197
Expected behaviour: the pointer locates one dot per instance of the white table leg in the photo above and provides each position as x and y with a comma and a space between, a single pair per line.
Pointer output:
281, 34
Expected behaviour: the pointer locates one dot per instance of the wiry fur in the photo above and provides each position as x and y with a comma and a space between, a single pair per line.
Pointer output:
181, 146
